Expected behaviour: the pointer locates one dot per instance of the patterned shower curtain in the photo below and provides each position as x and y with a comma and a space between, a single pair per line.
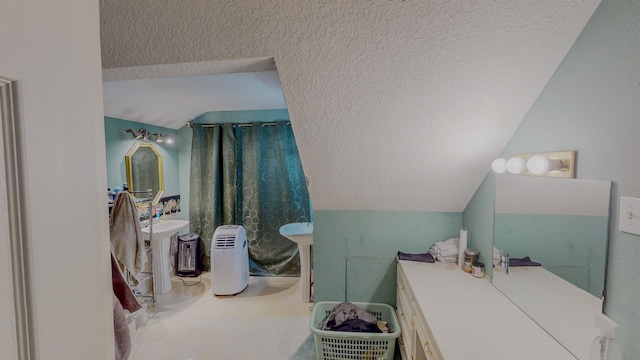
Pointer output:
251, 176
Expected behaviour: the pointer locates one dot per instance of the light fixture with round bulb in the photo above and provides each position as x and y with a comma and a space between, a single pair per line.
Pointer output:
499, 165
516, 165
540, 164
558, 164
159, 137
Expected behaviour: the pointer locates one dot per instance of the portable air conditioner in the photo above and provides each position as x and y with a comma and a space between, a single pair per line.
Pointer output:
229, 260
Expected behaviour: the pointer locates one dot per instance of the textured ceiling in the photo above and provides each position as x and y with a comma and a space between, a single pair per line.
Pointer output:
396, 105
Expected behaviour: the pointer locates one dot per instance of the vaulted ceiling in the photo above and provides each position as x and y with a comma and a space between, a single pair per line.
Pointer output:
396, 105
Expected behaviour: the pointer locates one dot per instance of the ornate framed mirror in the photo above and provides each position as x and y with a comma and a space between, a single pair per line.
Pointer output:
144, 170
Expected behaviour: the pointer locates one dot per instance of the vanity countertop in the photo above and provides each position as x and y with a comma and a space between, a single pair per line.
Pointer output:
469, 318
554, 303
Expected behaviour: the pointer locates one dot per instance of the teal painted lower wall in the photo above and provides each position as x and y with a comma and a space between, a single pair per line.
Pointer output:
354, 251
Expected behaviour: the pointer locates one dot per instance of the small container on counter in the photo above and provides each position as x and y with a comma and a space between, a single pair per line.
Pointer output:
470, 257
477, 269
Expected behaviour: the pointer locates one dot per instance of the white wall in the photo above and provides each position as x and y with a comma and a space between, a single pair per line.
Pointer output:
53, 49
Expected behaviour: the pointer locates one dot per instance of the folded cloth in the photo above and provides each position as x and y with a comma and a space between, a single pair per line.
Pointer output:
357, 325
424, 257
346, 311
383, 326
496, 257
525, 261
446, 251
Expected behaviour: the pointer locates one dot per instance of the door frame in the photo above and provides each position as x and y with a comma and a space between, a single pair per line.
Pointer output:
15, 236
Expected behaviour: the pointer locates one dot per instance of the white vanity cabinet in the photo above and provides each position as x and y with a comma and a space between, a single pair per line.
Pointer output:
447, 314
415, 340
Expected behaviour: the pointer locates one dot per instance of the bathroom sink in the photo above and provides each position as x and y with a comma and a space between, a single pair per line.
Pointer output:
300, 233
165, 227
160, 243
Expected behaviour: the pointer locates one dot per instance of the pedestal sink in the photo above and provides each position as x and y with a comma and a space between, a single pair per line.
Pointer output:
160, 243
302, 234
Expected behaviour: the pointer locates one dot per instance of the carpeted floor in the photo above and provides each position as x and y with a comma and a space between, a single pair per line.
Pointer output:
306, 351
265, 321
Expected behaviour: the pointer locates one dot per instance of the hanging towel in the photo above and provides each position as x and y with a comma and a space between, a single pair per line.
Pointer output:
122, 290
126, 237
122, 336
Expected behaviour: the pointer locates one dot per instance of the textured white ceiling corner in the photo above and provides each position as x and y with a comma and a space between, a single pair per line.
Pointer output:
396, 105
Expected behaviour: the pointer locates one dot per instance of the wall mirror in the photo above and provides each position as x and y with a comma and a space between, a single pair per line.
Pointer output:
144, 170
562, 225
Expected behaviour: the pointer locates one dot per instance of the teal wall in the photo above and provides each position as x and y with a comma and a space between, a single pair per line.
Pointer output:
119, 143
354, 251
592, 105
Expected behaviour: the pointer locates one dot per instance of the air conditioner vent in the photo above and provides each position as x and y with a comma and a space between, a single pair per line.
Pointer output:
225, 242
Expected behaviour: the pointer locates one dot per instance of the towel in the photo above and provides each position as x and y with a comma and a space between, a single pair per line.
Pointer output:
357, 325
122, 290
446, 251
127, 242
496, 257
525, 261
425, 257
121, 331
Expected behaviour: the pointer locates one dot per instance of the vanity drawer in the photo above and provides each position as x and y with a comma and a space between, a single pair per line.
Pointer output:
407, 334
402, 300
404, 295
425, 339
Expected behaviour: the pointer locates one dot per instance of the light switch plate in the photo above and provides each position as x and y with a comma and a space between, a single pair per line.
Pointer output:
630, 215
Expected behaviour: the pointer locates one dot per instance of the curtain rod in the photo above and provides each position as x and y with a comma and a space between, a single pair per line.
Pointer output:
239, 125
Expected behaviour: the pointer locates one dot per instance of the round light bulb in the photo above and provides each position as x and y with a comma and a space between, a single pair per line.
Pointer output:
516, 165
538, 164
499, 165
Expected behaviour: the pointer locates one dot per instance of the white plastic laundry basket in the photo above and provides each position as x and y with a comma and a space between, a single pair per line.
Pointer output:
333, 345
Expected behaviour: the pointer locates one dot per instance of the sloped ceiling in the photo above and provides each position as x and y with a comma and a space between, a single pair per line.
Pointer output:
172, 101
396, 105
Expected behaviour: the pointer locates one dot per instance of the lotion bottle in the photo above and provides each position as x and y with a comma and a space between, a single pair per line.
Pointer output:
604, 346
